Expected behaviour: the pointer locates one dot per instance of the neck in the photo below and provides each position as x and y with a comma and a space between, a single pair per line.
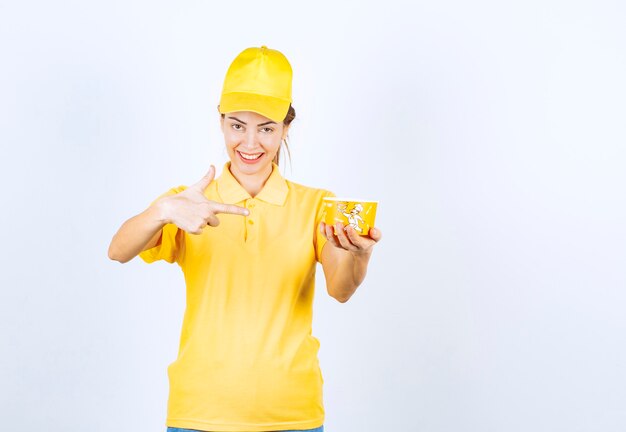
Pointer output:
252, 183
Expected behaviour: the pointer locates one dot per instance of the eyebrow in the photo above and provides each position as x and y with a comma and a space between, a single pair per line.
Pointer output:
260, 124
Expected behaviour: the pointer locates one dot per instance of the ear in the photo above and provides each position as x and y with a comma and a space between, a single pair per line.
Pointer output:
285, 131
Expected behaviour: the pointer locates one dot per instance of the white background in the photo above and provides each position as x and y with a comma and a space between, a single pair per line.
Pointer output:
492, 133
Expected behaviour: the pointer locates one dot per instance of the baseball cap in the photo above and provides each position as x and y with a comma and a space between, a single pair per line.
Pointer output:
258, 80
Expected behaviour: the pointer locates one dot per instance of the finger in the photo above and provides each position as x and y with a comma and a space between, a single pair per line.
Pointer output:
229, 208
355, 238
206, 180
343, 239
331, 236
212, 220
375, 234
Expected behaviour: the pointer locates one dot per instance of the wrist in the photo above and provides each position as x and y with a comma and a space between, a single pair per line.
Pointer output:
160, 211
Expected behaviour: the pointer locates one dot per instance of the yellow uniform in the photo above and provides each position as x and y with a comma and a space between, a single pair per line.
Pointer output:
247, 360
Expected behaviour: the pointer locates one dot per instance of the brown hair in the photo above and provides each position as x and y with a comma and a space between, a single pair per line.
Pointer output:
291, 115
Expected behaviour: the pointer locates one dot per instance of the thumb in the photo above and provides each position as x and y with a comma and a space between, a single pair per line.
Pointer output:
206, 180
375, 234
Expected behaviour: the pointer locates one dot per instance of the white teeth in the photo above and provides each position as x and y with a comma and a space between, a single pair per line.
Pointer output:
250, 157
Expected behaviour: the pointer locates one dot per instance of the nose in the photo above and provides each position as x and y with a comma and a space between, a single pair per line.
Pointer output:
250, 141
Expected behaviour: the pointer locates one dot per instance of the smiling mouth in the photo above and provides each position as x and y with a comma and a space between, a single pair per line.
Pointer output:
249, 156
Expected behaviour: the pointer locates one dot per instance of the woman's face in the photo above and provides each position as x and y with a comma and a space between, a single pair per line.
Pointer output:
252, 141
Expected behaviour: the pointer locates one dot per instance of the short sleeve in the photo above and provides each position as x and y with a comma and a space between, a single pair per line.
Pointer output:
320, 240
172, 239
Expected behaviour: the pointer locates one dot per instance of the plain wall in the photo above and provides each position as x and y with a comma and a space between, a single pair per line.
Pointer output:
492, 133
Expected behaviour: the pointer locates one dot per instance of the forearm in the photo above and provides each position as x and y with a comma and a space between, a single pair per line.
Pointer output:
350, 271
136, 233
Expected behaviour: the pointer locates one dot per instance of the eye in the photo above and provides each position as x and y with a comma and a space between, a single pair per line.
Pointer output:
267, 129
236, 126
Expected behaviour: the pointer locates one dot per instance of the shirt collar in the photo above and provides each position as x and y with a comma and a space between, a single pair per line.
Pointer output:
274, 190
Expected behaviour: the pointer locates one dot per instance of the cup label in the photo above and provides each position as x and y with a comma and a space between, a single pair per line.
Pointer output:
352, 214
358, 215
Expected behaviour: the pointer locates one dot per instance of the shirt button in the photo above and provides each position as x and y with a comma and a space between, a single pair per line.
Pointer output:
250, 221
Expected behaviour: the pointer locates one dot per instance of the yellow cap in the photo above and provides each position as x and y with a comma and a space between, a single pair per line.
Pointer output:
258, 80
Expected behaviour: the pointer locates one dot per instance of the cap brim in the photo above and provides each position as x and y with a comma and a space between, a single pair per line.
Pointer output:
273, 108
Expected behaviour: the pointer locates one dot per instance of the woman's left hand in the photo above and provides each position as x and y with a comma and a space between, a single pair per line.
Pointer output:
348, 239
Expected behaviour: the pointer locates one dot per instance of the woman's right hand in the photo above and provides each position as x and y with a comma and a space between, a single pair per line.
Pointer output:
191, 211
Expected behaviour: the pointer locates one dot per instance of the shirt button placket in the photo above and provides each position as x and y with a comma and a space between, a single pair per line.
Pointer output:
250, 219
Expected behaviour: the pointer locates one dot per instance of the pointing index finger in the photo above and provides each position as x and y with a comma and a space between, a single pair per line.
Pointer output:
230, 208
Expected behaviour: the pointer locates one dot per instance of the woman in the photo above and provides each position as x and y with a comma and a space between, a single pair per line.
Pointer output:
247, 360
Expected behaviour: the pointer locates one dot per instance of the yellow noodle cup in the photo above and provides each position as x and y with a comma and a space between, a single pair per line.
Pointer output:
359, 214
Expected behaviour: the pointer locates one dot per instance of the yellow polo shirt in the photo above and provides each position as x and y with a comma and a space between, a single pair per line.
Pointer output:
247, 360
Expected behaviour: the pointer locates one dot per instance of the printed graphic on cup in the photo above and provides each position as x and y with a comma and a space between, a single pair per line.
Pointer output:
359, 214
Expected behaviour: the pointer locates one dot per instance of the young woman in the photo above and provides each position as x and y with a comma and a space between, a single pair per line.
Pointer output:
247, 360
